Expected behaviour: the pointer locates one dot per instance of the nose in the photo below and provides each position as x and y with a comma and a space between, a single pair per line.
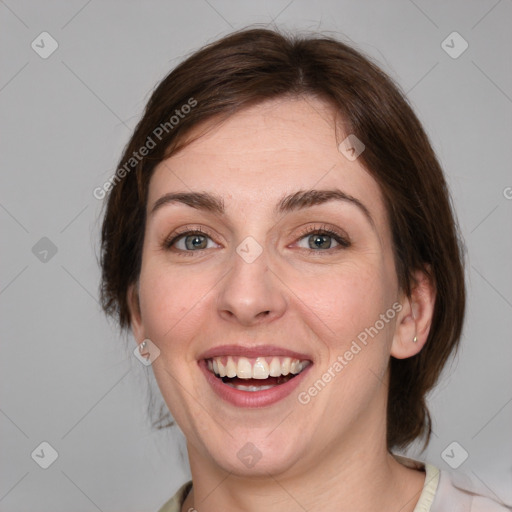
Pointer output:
251, 293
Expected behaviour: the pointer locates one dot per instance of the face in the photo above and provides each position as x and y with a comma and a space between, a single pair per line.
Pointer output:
290, 293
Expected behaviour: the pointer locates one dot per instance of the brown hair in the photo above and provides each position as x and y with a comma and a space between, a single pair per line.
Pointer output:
253, 65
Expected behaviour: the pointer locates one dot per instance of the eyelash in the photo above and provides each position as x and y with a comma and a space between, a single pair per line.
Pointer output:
324, 230
342, 240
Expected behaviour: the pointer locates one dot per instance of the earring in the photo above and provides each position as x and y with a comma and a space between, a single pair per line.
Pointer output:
414, 340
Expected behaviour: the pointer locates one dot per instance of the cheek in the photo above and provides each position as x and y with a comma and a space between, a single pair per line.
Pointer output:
174, 302
349, 298
356, 341
171, 309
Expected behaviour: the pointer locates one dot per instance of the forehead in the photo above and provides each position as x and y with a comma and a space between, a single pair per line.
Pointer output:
262, 152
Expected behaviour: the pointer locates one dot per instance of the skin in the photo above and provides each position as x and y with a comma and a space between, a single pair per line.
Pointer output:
329, 454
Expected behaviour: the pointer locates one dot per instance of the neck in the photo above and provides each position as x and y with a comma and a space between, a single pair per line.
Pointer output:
356, 475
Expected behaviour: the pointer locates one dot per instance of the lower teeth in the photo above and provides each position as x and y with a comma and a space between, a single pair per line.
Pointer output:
241, 387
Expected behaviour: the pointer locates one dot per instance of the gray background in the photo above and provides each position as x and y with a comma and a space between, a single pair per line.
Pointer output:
66, 376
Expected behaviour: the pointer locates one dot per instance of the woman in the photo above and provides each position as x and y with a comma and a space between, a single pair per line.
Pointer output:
280, 240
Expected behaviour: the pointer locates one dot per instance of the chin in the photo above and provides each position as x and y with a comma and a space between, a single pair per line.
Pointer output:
258, 455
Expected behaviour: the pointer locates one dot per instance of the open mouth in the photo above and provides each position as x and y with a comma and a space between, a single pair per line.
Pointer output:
255, 374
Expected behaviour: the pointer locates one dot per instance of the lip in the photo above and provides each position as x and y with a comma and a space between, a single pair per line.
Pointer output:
252, 399
253, 352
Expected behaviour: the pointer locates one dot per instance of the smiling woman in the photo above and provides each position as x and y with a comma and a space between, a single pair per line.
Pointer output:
290, 249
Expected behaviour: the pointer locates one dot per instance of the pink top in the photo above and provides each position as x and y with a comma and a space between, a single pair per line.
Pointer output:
443, 491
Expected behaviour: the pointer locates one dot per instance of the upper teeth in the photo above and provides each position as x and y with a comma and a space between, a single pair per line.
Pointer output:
258, 368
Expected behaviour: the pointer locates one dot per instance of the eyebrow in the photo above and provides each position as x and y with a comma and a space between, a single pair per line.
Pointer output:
293, 202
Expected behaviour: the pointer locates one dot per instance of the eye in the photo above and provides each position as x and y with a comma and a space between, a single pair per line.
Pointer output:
190, 241
314, 238
322, 240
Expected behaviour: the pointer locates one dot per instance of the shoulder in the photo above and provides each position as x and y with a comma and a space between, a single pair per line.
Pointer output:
459, 492
443, 491
453, 491
175, 503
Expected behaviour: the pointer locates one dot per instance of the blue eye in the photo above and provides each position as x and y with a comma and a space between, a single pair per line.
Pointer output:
323, 239
318, 240
191, 241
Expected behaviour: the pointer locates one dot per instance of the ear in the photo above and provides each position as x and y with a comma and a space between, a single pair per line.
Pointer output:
415, 318
135, 314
